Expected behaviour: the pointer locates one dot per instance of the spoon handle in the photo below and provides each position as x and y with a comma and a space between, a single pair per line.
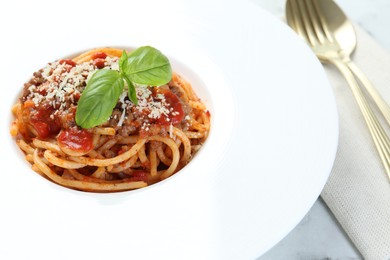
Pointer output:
375, 95
377, 132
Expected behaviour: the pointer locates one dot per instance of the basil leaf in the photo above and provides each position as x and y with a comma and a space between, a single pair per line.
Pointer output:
132, 94
148, 66
99, 98
123, 61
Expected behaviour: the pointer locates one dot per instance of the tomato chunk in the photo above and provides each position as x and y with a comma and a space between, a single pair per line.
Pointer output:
99, 54
44, 122
69, 62
99, 63
79, 140
177, 114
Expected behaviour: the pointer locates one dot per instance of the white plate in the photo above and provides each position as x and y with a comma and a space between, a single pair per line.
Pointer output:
272, 145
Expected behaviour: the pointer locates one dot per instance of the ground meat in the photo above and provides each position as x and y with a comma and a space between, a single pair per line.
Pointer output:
114, 118
36, 80
176, 90
127, 127
67, 119
127, 130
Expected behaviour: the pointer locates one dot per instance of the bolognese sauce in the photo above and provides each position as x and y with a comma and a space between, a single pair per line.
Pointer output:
138, 145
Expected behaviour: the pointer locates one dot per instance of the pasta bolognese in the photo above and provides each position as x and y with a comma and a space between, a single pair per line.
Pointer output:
150, 133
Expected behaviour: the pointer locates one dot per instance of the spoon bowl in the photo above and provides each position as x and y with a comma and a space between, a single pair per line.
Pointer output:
339, 25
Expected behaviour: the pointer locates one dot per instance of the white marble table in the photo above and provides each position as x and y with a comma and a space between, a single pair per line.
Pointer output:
318, 235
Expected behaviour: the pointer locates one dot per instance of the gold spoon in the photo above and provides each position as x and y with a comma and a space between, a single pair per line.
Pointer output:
324, 26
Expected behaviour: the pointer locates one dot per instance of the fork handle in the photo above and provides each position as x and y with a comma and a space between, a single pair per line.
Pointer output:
376, 97
377, 132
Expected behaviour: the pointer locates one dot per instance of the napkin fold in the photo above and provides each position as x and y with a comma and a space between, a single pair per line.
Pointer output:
358, 189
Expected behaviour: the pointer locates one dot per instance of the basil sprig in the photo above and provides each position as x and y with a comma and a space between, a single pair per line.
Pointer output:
145, 66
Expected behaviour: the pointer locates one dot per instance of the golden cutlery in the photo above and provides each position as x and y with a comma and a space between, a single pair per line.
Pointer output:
323, 25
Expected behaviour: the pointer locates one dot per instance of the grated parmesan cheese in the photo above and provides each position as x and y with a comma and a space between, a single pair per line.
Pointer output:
62, 82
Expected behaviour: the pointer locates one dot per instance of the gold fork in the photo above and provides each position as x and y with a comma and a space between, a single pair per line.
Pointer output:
305, 18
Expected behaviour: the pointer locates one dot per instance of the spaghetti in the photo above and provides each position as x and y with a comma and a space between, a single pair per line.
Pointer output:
137, 146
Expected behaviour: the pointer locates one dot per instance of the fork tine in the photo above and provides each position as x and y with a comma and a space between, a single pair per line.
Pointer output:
322, 21
299, 7
315, 18
290, 16
294, 19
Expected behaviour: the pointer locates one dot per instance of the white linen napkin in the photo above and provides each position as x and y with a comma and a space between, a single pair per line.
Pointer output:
358, 189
